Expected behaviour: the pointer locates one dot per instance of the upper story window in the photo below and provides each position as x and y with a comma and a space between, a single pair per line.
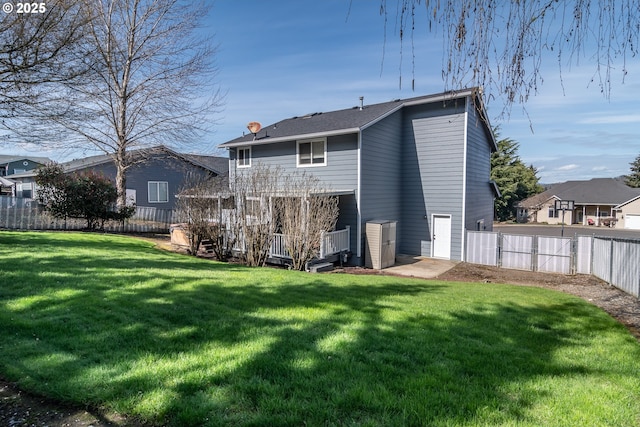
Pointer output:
158, 191
244, 157
312, 153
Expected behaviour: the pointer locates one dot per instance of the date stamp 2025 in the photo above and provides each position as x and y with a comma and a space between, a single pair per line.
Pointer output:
24, 8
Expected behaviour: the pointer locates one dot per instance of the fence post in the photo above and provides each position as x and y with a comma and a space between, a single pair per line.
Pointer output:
610, 261
573, 253
322, 244
499, 249
534, 253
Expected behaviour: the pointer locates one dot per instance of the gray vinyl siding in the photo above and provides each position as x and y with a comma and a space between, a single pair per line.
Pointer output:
163, 168
20, 165
479, 198
432, 175
340, 172
381, 179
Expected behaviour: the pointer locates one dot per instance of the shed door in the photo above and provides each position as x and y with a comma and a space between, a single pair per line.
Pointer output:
441, 238
632, 221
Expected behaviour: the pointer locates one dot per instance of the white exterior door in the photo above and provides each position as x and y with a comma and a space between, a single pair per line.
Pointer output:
441, 236
632, 221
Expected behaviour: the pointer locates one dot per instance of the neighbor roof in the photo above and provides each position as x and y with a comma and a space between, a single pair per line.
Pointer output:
596, 191
218, 165
341, 122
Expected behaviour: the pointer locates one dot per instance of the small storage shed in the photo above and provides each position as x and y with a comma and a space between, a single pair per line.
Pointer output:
380, 248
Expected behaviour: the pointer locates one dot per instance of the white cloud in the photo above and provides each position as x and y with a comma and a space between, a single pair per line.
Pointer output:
568, 167
611, 119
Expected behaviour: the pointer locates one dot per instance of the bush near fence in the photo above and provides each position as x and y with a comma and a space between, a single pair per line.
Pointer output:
614, 260
26, 214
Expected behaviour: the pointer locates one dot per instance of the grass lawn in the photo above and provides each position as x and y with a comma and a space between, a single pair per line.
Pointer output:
111, 322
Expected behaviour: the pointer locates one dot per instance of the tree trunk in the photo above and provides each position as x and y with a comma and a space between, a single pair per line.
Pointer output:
121, 178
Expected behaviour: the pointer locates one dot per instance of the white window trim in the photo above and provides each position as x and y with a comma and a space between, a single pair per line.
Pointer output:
247, 149
307, 141
158, 193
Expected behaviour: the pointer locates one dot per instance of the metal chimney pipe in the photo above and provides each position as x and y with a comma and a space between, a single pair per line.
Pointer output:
361, 103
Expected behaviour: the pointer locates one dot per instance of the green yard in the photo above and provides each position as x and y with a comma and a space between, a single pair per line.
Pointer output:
114, 323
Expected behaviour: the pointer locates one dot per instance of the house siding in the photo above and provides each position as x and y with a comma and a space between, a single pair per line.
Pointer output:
631, 208
11, 167
432, 175
381, 165
479, 194
339, 174
160, 167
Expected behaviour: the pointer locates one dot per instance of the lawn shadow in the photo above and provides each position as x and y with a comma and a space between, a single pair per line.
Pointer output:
222, 344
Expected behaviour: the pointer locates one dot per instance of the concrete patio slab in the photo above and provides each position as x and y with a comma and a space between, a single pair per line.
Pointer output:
422, 267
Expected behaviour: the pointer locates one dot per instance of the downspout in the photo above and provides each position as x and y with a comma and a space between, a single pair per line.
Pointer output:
358, 198
464, 183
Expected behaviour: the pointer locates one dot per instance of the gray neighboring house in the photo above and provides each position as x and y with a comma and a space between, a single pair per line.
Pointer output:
423, 162
158, 175
10, 166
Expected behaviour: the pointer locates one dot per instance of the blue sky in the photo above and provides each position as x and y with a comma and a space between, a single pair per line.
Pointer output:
279, 59
287, 58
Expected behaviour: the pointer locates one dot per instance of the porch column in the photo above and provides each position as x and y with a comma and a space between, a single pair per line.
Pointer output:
584, 215
598, 215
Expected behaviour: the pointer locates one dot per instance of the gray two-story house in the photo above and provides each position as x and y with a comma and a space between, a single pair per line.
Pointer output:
423, 162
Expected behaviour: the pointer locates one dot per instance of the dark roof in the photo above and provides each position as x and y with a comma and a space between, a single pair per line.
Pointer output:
345, 121
603, 191
219, 165
216, 164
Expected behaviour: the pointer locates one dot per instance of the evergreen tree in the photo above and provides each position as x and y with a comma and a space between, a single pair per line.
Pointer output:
515, 180
633, 179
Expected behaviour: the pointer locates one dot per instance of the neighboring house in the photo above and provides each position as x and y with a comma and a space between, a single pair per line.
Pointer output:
10, 165
157, 176
629, 214
422, 162
599, 201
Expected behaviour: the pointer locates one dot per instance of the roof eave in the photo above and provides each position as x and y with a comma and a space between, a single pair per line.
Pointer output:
268, 140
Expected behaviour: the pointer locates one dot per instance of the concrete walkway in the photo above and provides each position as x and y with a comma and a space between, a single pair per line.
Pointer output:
422, 267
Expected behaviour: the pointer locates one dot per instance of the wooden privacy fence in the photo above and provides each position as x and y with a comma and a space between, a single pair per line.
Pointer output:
26, 214
615, 260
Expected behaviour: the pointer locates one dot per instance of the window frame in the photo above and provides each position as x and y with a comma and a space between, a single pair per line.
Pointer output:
310, 142
157, 191
246, 158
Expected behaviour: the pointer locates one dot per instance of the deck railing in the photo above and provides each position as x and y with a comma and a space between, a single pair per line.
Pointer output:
335, 242
278, 247
331, 242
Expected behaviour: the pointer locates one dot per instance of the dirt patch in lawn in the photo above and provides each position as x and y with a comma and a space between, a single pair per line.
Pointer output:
620, 305
21, 409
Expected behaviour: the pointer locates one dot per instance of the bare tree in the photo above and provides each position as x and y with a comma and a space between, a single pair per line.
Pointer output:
152, 81
305, 211
501, 45
295, 205
38, 51
205, 207
255, 223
